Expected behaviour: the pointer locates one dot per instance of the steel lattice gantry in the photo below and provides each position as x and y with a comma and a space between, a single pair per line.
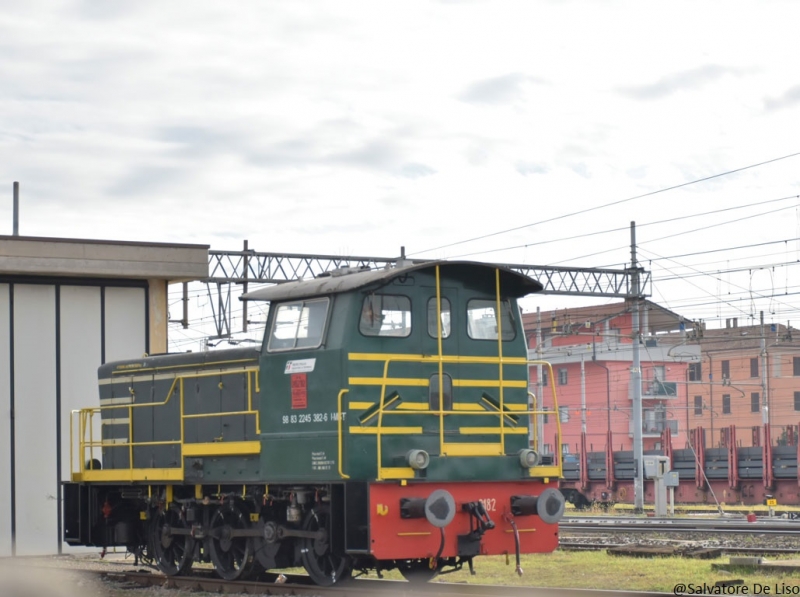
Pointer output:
247, 266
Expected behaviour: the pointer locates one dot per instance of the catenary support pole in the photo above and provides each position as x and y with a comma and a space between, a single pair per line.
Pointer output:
764, 398
244, 285
636, 382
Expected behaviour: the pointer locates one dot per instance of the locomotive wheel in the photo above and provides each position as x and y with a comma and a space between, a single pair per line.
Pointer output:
266, 545
417, 571
173, 554
324, 567
232, 556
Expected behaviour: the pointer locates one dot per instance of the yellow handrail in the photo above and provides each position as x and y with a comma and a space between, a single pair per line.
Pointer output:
341, 438
499, 318
86, 419
441, 366
532, 422
441, 412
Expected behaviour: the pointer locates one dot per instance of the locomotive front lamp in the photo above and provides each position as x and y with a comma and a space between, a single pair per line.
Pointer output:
528, 458
418, 459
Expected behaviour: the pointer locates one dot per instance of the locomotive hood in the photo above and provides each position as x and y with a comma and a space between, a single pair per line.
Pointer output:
513, 284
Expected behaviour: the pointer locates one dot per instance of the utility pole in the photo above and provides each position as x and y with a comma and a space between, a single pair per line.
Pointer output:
764, 401
636, 378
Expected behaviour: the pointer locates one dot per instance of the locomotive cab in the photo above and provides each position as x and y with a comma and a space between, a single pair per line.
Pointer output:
384, 423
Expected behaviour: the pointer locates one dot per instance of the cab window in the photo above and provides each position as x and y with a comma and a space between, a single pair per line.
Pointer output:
482, 320
298, 324
432, 331
385, 315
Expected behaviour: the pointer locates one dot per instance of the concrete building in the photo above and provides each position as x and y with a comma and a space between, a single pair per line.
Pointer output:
591, 352
748, 376
66, 307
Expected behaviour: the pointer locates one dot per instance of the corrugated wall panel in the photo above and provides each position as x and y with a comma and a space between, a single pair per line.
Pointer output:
80, 320
125, 323
35, 418
5, 423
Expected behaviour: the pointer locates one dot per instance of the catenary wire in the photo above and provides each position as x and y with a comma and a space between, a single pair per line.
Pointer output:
618, 202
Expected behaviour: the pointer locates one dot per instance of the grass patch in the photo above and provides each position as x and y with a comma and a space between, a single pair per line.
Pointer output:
597, 570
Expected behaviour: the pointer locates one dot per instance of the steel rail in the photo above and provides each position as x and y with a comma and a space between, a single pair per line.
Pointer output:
355, 588
579, 546
617, 523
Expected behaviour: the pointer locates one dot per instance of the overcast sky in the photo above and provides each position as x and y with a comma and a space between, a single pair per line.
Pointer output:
358, 127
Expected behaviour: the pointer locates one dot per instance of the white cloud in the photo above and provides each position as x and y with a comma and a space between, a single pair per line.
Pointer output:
298, 125
498, 90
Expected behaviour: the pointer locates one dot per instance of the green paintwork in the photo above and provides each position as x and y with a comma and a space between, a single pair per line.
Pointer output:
224, 469
299, 437
301, 443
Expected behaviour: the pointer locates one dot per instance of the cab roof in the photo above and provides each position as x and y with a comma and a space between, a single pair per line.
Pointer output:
513, 284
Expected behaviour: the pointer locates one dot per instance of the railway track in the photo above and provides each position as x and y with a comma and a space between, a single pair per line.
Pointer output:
567, 545
354, 588
694, 525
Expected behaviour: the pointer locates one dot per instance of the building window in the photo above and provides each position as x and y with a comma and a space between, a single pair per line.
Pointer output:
796, 366
562, 377
565, 448
545, 377
695, 372
547, 449
563, 414
545, 418
698, 405
754, 367
726, 369
726, 404
755, 402
797, 400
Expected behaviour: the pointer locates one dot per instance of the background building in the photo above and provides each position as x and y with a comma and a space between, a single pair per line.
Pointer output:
591, 352
66, 307
748, 376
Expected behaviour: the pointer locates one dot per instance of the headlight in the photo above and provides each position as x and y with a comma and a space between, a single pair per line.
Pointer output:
418, 459
528, 458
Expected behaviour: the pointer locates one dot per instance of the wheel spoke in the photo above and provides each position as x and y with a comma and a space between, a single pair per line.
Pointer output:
323, 566
231, 556
176, 556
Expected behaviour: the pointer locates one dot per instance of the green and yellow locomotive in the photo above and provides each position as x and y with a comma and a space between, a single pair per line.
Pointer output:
384, 423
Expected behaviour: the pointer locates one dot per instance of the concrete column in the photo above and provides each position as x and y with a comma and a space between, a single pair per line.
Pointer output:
159, 311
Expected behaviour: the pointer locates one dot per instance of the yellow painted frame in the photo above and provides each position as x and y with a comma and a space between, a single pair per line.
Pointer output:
86, 418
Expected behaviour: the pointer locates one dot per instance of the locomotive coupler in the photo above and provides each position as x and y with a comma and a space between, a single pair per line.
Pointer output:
477, 511
479, 522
